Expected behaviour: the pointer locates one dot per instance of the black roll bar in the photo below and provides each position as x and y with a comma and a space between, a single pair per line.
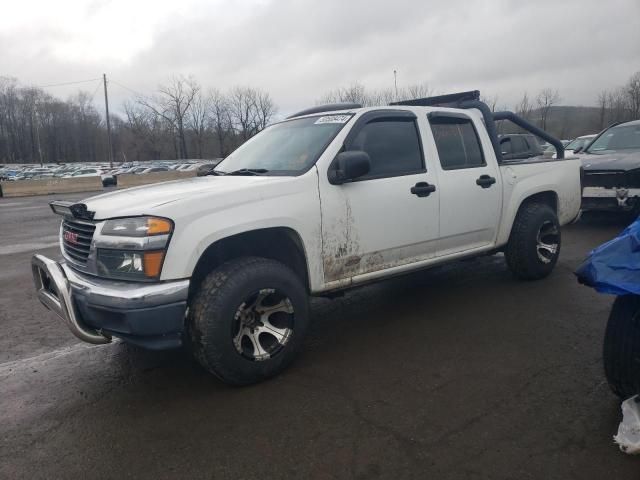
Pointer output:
471, 99
521, 122
489, 124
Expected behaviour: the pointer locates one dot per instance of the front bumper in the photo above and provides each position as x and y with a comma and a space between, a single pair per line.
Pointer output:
95, 309
611, 199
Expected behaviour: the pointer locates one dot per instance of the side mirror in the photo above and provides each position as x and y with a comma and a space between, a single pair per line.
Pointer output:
577, 150
349, 166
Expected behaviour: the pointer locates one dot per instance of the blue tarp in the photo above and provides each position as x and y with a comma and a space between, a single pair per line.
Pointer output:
614, 267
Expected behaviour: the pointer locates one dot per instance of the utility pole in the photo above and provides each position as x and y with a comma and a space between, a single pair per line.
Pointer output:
106, 107
395, 82
38, 140
34, 121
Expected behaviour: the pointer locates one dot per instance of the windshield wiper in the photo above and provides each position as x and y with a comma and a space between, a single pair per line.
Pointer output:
214, 172
248, 171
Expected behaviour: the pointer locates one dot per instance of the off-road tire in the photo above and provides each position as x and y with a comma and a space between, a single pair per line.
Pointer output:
621, 350
211, 319
522, 249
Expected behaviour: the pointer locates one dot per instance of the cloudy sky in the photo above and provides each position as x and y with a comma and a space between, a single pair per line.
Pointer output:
299, 49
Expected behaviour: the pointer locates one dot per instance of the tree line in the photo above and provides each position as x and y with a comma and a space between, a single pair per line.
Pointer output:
542, 108
182, 120
179, 121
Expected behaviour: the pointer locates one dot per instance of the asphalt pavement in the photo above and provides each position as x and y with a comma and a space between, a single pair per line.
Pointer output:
456, 372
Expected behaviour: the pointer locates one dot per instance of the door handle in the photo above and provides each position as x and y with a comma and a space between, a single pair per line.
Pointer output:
485, 181
423, 189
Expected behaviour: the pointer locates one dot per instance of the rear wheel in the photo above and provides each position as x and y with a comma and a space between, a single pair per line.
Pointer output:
621, 352
534, 244
247, 320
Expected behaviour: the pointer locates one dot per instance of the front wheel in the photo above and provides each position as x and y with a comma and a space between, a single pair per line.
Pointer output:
247, 320
621, 352
534, 244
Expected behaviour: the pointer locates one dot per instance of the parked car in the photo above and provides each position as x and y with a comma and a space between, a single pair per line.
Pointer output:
85, 172
41, 175
518, 146
611, 165
577, 145
154, 169
8, 174
205, 169
328, 199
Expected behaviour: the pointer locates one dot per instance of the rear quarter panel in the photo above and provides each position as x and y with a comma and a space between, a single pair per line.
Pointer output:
522, 180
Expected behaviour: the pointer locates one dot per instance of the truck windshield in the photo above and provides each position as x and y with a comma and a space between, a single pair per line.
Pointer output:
287, 148
623, 137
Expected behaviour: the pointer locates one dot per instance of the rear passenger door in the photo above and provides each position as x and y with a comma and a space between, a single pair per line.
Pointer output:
469, 183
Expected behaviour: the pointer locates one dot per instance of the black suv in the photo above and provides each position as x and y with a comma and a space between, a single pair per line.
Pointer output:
612, 169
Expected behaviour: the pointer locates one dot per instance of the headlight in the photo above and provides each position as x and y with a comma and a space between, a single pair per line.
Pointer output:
129, 264
133, 248
137, 227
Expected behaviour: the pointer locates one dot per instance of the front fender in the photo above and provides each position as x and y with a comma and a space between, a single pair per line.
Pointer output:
295, 206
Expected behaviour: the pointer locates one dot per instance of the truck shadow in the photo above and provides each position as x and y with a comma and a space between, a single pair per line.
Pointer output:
337, 322
607, 218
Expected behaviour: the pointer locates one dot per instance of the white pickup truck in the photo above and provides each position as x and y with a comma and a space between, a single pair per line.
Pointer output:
328, 199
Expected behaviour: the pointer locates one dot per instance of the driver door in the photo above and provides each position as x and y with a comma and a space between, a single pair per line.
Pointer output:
386, 218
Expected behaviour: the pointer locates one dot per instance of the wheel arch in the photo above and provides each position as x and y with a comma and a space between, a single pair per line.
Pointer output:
546, 197
282, 244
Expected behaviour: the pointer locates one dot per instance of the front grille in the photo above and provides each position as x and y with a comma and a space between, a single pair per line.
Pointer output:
82, 232
605, 179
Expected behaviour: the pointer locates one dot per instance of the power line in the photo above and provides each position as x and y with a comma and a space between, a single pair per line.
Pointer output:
67, 83
95, 91
126, 88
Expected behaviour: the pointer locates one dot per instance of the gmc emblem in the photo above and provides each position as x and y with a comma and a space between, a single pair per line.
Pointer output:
70, 237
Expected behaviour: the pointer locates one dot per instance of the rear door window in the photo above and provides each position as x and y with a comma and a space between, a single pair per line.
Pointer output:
457, 142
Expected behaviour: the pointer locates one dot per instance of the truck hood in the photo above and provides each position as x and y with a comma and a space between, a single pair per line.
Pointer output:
611, 161
149, 199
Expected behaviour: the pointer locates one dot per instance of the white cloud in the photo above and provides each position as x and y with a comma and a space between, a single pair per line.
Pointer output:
299, 49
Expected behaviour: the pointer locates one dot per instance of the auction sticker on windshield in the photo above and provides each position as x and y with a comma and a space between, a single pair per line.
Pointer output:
333, 119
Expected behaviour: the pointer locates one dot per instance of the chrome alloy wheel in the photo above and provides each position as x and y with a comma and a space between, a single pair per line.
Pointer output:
547, 242
263, 325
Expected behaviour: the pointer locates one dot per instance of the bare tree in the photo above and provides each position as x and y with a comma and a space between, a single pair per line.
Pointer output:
633, 92
220, 119
491, 101
546, 99
198, 121
603, 107
242, 104
173, 102
250, 110
416, 90
383, 96
619, 105
265, 110
524, 107
357, 93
